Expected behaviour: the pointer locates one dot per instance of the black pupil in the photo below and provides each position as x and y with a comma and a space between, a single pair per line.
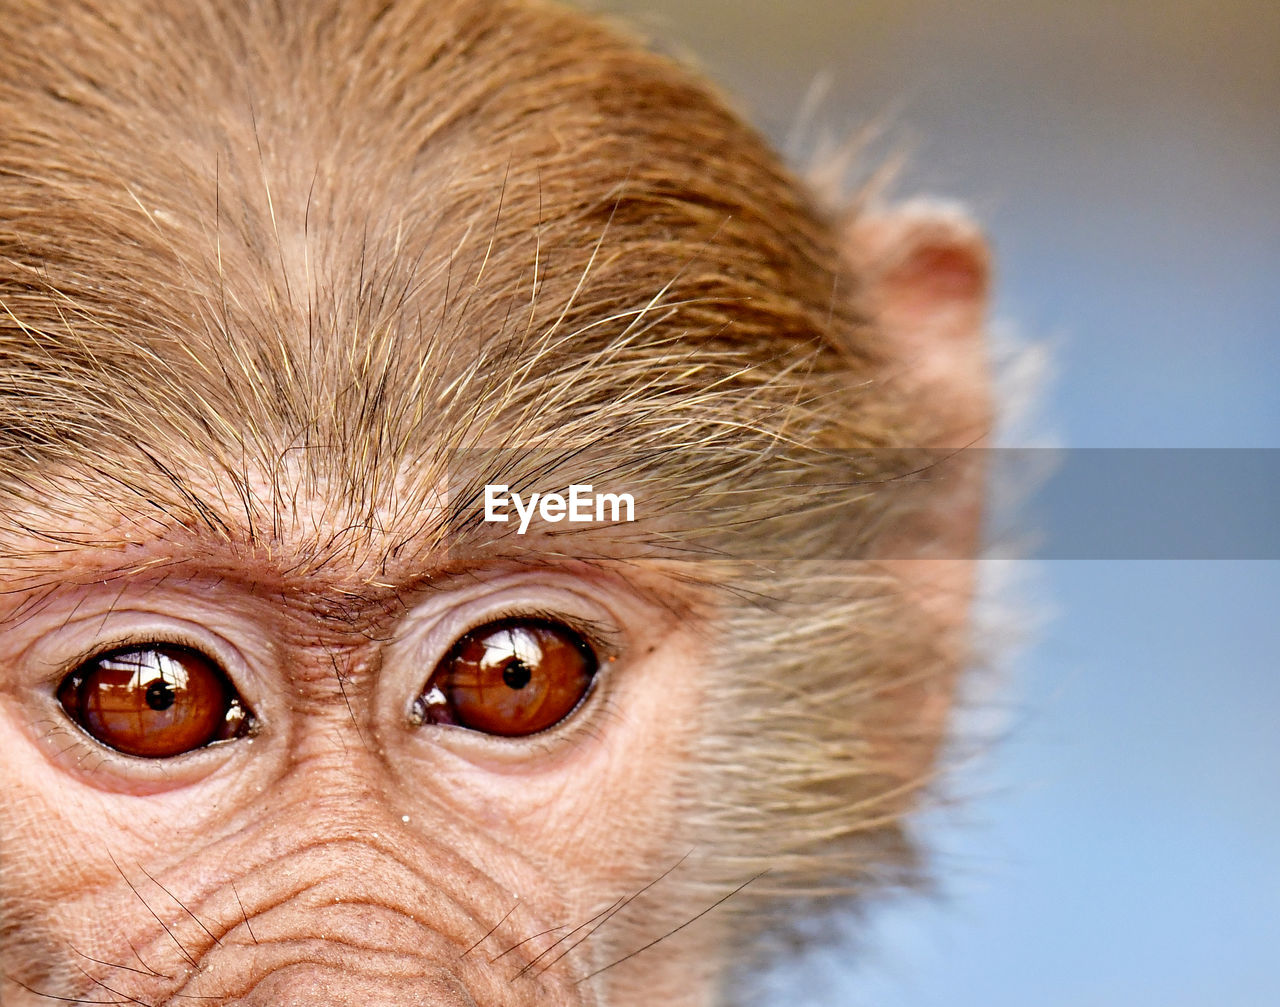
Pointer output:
159, 695
516, 674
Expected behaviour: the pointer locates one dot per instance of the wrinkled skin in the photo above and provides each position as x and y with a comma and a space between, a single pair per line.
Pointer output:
341, 856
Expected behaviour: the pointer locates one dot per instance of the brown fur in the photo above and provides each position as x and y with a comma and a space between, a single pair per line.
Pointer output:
257, 254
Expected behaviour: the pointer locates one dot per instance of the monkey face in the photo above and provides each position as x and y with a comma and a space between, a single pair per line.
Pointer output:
291, 305
320, 839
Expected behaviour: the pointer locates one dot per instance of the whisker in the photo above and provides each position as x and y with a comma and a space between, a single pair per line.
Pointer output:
181, 905
252, 935
53, 996
522, 943
492, 930
98, 982
110, 965
154, 914
658, 940
608, 914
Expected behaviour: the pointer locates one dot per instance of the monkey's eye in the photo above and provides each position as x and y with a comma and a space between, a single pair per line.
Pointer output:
511, 678
154, 701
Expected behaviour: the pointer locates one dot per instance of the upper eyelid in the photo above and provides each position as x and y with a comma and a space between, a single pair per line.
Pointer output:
124, 643
138, 642
441, 621
152, 637
606, 639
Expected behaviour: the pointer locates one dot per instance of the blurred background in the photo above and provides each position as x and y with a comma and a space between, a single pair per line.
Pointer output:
1120, 845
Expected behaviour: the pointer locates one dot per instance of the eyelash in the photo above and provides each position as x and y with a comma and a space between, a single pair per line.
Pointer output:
136, 641
604, 640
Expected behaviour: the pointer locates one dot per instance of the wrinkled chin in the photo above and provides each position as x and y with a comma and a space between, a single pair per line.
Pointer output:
309, 984
345, 965
354, 954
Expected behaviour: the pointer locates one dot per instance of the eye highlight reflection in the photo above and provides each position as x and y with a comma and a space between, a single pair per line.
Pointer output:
510, 678
154, 701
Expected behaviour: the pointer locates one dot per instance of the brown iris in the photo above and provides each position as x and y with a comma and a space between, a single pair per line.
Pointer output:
154, 701
510, 678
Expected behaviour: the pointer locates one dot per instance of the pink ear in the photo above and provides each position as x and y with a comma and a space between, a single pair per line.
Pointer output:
929, 248
926, 271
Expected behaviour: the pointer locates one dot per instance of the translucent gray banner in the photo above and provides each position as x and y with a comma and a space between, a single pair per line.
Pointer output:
1037, 503
1135, 503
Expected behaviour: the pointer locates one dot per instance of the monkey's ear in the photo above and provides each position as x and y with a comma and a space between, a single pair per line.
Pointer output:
925, 270
926, 274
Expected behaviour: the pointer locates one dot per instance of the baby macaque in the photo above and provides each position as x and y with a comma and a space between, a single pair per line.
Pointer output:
298, 302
